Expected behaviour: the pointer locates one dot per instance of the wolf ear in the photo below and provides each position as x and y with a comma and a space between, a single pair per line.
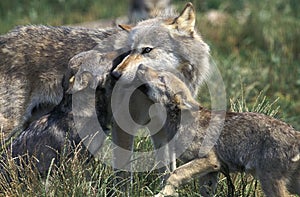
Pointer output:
80, 83
186, 20
125, 27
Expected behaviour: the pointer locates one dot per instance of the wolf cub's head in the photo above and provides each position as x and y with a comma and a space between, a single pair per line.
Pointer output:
90, 68
166, 88
167, 44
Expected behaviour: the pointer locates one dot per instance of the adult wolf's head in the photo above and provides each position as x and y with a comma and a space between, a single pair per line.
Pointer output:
167, 44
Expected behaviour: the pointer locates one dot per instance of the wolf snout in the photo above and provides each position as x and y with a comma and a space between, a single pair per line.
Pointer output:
115, 74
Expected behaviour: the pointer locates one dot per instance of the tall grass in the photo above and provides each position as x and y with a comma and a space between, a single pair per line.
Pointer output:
256, 46
78, 175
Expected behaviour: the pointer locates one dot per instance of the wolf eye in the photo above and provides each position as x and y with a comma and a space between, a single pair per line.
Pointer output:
146, 50
161, 79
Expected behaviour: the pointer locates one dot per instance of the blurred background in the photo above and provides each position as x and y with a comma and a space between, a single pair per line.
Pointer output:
255, 44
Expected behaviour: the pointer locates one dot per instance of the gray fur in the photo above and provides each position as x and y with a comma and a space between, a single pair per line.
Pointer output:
176, 47
47, 137
185, 55
33, 63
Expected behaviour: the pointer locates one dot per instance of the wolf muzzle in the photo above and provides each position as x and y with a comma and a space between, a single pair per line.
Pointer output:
115, 74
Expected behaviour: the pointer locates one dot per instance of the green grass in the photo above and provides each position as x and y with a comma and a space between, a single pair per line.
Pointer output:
57, 12
256, 49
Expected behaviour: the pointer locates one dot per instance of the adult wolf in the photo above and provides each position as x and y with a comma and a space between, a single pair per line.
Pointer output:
33, 63
164, 43
267, 148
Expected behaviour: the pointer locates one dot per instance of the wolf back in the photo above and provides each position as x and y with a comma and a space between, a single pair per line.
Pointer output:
33, 63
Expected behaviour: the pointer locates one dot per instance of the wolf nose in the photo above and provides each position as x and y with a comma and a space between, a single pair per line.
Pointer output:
142, 67
115, 74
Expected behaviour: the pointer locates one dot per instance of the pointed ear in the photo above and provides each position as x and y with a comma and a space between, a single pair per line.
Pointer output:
125, 27
79, 82
186, 20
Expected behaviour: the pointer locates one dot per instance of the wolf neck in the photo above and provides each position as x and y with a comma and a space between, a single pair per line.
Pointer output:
195, 62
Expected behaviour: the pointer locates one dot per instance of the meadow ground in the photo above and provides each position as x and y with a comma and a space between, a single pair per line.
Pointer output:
255, 45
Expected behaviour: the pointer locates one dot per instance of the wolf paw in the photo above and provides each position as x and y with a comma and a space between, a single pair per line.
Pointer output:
167, 191
162, 195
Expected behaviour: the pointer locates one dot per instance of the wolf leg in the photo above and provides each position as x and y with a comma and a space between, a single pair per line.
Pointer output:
294, 181
273, 187
196, 167
123, 144
163, 150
